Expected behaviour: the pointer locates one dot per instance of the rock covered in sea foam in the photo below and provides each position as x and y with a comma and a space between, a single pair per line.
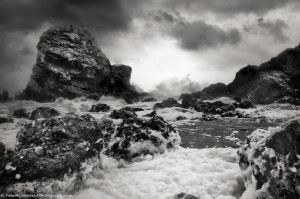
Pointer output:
270, 162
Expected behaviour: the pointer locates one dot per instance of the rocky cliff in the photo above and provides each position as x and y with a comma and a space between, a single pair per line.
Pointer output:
69, 64
270, 81
274, 80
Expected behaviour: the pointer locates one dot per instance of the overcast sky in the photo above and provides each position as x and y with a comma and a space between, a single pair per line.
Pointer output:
181, 43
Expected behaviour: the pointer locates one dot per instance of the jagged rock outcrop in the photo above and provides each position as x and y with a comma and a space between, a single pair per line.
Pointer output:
69, 64
270, 81
276, 79
270, 162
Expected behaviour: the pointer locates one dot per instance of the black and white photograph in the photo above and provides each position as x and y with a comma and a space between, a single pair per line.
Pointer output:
150, 99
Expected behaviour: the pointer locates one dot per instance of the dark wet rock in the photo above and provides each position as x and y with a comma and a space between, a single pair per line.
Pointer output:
5, 120
134, 109
2, 149
70, 64
237, 99
245, 104
181, 118
186, 196
20, 113
121, 87
272, 80
52, 148
136, 136
208, 117
187, 101
153, 113
123, 113
217, 107
149, 99
4, 96
289, 100
170, 102
99, 108
273, 159
43, 112
212, 91
234, 113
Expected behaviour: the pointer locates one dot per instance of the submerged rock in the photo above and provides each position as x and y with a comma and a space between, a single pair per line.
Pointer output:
43, 112
170, 102
270, 162
99, 108
70, 64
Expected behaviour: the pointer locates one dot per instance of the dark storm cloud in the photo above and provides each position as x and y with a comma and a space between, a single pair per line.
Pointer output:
275, 28
30, 14
197, 34
229, 6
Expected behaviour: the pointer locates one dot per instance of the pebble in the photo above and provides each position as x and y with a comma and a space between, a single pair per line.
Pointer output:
18, 176
39, 150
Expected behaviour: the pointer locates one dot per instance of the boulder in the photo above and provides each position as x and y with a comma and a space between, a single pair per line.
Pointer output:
136, 136
20, 113
52, 148
149, 99
70, 64
123, 113
44, 113
245, 104
4, 96
270, 162
99, 108
170, 102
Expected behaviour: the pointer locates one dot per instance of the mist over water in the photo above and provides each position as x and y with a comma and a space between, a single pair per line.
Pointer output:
175, 87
